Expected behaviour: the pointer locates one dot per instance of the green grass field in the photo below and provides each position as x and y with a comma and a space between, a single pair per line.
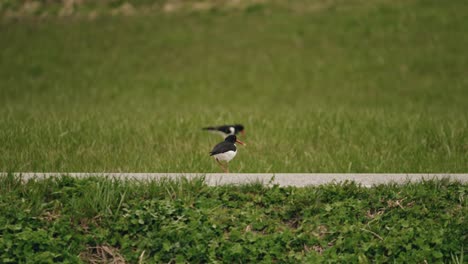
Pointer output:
354, 86
68, 220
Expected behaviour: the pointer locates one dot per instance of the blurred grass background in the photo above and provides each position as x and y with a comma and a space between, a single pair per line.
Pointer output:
322, 86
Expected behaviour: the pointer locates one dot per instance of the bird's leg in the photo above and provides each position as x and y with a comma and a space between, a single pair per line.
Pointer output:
221, 165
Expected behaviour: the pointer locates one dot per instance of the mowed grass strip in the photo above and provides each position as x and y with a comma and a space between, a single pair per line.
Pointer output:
375, 87
69, 220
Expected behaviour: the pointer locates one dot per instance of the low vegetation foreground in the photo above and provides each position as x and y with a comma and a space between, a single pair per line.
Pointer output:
99, 220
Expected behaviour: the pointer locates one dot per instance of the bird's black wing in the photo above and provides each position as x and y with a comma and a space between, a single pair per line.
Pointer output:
224, 128
223, 147
209, 128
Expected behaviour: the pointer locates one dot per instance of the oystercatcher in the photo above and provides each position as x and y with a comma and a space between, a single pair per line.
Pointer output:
226, 151
227, 130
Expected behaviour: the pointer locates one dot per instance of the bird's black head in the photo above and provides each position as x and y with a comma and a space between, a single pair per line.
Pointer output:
231, 138
239, 128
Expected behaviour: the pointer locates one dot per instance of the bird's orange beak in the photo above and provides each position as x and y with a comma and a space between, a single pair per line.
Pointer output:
240, 142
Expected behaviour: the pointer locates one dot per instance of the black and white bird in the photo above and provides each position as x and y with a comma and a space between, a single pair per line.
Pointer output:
226, 151
226, 130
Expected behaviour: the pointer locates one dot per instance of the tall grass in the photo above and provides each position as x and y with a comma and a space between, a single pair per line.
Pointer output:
375, 87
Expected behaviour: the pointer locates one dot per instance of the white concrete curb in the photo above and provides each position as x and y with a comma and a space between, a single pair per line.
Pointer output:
282, 179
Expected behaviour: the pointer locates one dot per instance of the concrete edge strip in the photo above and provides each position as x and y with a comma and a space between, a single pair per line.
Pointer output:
282, 179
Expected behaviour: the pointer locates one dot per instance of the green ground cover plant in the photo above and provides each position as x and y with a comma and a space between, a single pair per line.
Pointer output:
70, 220
352, 86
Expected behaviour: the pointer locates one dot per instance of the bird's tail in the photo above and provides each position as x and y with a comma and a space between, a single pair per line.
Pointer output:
209, 128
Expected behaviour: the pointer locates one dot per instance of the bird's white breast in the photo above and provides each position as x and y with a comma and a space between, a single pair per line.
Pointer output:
227, 156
